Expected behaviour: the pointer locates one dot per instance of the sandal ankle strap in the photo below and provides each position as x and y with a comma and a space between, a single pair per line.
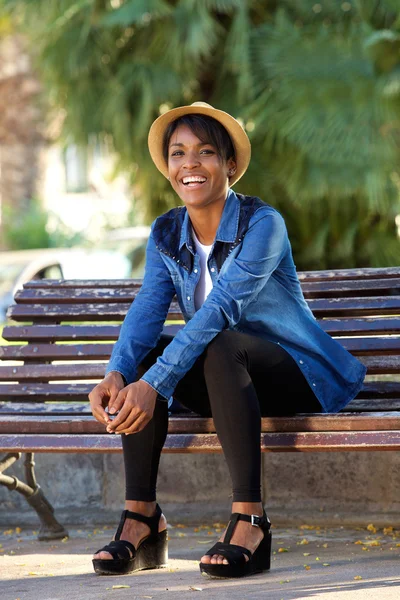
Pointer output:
151, 522
263, 522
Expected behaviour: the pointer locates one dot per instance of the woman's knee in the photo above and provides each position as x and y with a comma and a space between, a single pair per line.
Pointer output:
224, 346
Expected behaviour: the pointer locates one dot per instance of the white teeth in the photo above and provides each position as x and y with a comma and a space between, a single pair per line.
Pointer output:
193, 179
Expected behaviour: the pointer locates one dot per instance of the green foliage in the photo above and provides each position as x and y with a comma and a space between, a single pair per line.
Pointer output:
316, 84
28, 229
23, 230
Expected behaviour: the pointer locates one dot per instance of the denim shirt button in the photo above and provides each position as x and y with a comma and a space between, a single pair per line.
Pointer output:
212, 269
188, 297
195, 270
314, 384
301, 362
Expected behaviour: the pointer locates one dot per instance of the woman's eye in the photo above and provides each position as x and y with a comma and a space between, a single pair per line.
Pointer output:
177, 153
208, 151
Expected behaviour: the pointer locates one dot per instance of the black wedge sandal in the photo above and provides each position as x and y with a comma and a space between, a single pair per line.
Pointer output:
151, 553
238, 566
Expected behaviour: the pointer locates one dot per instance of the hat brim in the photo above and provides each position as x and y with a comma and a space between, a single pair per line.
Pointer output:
240, 141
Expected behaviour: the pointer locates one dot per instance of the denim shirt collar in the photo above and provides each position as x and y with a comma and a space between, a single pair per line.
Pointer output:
227, 229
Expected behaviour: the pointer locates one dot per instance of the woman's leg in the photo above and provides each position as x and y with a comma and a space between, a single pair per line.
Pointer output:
247, 377
141, 459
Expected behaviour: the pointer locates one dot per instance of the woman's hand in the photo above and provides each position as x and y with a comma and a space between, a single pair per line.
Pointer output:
136, 404
105, 393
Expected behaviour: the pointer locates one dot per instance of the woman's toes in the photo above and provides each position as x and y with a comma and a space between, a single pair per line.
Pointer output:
103, 556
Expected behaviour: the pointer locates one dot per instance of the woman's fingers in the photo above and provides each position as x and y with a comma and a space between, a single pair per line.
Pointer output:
96, 398
102, 394
139, 424
117, 400
127, 406
128, 421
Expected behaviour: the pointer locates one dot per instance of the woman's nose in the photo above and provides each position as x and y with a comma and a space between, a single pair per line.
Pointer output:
191, 160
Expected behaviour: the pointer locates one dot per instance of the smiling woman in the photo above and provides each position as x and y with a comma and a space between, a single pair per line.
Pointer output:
250, 347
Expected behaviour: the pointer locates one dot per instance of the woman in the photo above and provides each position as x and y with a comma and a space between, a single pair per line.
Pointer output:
250, 347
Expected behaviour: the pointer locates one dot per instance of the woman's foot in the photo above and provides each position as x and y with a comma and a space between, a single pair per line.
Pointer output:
135, 531
245, 534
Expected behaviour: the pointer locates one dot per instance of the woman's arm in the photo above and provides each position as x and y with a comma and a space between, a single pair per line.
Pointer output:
145, 319
263, 247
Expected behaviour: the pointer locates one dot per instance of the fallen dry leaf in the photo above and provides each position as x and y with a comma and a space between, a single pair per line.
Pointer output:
387, 530
325, 564
195, 589
358, 577
372, 528
180, 526
307, 567
374, 543
283, 550
303, 542
306, 553
359, 543
120, 587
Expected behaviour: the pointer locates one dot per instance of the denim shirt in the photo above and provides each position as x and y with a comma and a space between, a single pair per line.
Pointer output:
255, 291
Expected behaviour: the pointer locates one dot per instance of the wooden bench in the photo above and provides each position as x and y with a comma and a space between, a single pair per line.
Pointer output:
63, 335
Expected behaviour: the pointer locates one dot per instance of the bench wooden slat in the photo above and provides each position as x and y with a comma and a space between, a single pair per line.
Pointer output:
357, 346
77, 312
377, 390
357, 287
75, 333
312, 289
376, 365
372, 404
194, 443
319, 275
79, 391
56, 352
343, 274
42, 373
331, 307
69, 333
81, 424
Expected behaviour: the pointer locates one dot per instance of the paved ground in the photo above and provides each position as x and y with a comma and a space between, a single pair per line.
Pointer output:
322, 564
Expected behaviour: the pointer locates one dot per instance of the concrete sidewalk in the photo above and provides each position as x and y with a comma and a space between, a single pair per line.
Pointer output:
324, 564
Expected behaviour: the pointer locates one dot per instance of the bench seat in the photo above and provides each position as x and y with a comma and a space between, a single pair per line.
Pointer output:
62, 332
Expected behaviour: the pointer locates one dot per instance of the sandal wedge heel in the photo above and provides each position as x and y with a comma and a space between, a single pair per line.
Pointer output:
151, 553
238, 566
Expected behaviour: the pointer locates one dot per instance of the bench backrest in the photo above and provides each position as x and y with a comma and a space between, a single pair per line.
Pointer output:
65, 330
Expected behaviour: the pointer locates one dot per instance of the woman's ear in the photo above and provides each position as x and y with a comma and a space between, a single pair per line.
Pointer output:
231, 164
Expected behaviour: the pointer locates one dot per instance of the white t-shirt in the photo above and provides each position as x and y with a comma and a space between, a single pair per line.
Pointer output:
205, 284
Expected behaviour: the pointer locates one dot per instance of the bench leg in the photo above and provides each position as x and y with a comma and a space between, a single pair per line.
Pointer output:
50, 528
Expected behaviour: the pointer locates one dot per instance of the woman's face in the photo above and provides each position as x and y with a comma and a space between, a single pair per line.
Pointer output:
196, 172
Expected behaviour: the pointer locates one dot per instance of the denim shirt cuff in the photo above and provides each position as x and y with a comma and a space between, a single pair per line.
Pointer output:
160, 381
123, 366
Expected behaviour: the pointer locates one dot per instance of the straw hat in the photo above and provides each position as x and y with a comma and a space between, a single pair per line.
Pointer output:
236, 132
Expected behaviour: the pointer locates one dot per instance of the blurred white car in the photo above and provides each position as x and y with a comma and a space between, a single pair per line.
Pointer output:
18, 267
131, 242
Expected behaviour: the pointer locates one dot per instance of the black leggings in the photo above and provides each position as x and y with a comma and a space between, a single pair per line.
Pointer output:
236, 380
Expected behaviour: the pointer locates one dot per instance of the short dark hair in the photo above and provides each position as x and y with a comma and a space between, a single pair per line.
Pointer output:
207, 129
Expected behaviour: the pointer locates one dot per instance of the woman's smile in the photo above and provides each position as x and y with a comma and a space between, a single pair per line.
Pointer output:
197, 172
